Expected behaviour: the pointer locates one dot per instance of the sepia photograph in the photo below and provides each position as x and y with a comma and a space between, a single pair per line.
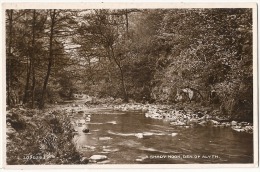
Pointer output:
103, 85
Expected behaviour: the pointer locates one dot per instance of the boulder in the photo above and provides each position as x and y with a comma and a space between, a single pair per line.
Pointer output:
248, 129
97, 158
85, 130
139, 135
87, 119
147, 114
233, 123
238, 129
200, 114
213, 122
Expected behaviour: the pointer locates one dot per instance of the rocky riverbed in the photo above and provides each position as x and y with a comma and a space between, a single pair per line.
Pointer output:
130, 130
182, 118
185, 117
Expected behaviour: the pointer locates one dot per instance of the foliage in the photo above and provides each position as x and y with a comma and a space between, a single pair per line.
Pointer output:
32, 127
145, 55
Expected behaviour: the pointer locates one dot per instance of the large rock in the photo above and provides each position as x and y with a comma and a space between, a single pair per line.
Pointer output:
233, 123
248, 129
97, 158
213, 122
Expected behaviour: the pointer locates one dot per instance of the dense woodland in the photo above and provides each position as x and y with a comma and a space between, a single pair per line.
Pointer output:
142, 55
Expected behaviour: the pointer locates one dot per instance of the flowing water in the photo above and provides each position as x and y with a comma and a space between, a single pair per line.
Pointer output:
130, 137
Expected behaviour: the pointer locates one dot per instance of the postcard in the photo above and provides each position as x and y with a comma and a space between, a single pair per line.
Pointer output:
122, 85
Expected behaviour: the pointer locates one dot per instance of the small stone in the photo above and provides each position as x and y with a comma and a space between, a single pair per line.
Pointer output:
97, 158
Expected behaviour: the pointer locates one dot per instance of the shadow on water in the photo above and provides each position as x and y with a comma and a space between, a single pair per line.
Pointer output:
130, 137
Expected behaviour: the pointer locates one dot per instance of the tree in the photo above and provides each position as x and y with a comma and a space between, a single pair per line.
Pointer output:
106, 27
60, 28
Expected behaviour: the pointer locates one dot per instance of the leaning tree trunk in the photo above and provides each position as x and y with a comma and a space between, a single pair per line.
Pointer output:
50, 60
122, 78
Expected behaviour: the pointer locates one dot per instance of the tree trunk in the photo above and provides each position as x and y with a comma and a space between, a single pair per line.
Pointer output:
26, 90
123, 84
122, 78
9, 59
52, 15
33, 56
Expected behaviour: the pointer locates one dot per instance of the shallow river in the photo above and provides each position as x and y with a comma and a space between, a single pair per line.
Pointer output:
130, 137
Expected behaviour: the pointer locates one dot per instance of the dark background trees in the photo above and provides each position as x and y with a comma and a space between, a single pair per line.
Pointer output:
144, 55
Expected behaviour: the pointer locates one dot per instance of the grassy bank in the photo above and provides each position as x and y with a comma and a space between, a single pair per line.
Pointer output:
38, 137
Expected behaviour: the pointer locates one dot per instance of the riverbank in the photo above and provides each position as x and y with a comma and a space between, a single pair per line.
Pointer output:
187, 117
40, 137
46, 136
123, 130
